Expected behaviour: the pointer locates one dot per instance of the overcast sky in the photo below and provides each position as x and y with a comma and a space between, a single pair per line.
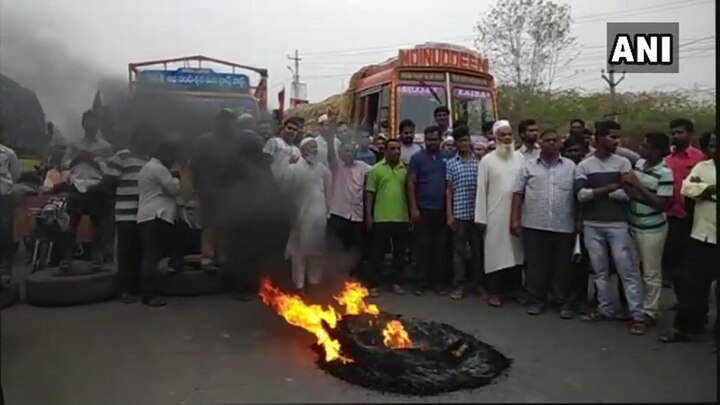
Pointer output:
334, 37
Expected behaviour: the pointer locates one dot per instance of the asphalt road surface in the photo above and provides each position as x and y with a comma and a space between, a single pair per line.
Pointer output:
213, 350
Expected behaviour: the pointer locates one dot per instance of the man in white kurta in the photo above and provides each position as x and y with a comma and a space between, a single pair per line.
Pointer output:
310, 182
503, 251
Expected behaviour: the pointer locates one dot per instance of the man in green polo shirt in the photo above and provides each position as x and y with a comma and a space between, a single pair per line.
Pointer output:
651, 186
386, 214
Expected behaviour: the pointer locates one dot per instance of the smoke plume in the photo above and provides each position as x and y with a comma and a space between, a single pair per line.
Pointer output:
64, 83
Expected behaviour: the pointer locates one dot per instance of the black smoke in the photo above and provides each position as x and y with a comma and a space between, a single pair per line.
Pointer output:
255, 212
64, 82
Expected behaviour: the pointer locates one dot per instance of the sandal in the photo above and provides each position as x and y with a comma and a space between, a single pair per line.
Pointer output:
457, 294
127, 298
595, 316
674, 337
638, 328
495, 301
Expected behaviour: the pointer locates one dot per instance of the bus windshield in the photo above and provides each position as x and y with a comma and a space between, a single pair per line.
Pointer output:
475, 106
418, 103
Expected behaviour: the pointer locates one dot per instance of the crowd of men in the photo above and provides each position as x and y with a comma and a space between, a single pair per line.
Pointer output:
470, 213
527, 222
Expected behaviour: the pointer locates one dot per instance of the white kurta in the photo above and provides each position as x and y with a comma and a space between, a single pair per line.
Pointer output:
311, 182
493, 205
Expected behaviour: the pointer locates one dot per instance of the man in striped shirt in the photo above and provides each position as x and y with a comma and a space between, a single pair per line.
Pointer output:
121, 175
650, 186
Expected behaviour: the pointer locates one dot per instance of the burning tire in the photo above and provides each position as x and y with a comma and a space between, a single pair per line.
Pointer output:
9, 295
441, 358
365, 346
190, 282
80, 285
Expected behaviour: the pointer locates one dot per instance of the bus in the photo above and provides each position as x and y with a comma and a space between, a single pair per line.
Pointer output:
417, 81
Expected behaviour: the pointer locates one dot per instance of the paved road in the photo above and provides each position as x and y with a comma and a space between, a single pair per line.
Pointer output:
213, 350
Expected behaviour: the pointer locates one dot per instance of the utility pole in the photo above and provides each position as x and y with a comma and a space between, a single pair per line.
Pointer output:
610, 80
295, 96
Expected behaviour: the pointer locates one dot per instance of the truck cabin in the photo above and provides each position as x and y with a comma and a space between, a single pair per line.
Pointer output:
412, 85
186, 99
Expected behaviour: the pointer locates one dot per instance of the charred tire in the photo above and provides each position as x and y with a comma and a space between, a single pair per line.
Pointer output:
9, 295
444, 360
189, 282
53, 288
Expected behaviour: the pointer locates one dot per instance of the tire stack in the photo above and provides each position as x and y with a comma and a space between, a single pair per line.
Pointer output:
81, 284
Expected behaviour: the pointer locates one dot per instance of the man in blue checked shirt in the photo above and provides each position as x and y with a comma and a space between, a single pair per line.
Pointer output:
461, 187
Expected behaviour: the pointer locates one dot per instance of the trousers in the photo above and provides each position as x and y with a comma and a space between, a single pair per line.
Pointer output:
548, 258
696, 278
158, 241
129, 257
603, 242
384, 234
430, 248
466, 234
650, 245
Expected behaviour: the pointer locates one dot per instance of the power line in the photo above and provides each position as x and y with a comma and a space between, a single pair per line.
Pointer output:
582, 19
602, 53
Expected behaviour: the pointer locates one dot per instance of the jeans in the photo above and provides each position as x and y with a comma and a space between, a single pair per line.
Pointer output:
430, 248
650, 245
385, 233
548, 258
158, 238
618, 239
465, 233
129, 257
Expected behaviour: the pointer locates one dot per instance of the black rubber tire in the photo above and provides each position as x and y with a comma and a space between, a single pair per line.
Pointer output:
9, 295
189, 282
50, 288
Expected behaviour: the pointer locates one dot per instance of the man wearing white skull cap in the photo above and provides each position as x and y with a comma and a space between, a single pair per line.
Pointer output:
503, 251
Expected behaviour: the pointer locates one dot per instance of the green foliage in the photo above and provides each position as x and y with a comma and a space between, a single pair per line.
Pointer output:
638, 112
524, 39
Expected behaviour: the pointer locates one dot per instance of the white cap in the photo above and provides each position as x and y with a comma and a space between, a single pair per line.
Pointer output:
306, 140
499, 124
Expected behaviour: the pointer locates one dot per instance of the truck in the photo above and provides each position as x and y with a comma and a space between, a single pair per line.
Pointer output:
183, 100
411, 85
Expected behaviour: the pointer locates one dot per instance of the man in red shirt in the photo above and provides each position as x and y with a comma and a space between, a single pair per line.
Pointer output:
682, 158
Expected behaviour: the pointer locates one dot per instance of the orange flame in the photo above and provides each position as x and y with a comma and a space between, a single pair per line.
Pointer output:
395, 336
310, 317
353, 299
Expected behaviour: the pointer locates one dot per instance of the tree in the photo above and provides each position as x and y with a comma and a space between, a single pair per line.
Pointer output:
642, 112
526, 41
